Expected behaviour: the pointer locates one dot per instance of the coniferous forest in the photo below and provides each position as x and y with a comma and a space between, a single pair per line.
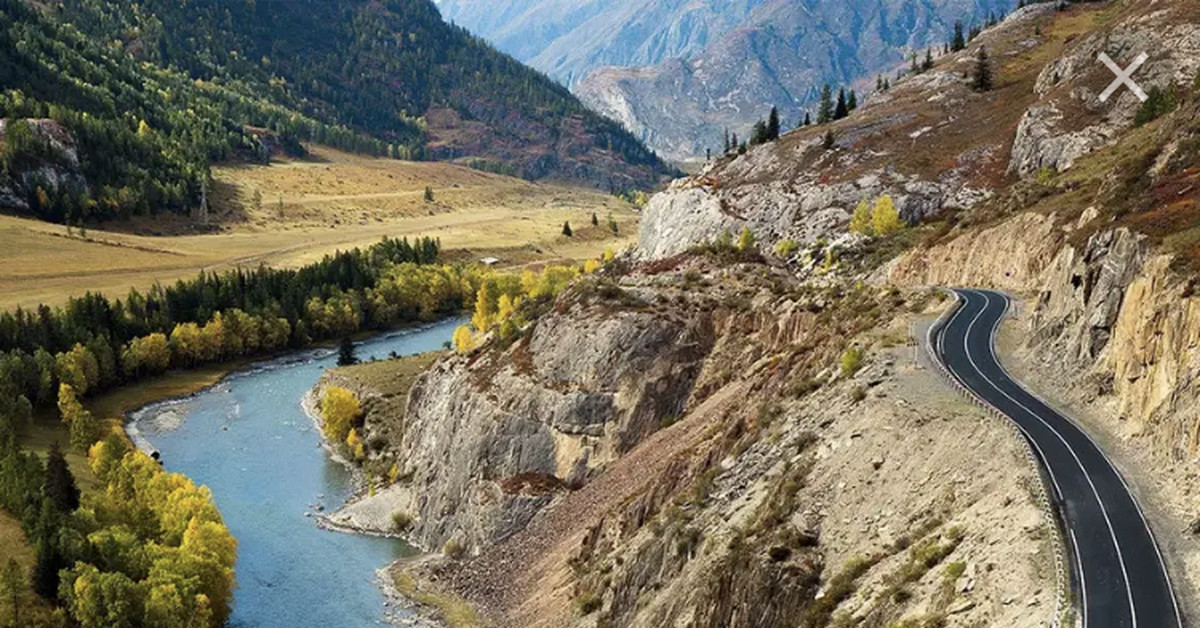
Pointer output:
153, 92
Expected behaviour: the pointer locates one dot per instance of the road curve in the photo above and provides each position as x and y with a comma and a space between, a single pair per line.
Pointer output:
1119, 576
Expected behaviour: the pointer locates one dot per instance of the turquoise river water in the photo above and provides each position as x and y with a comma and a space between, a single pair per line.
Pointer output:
250, 441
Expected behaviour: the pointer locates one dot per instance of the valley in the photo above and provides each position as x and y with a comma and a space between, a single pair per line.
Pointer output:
340, 317
332, 201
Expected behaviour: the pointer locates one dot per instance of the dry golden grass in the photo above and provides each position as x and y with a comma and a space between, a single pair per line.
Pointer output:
331, 201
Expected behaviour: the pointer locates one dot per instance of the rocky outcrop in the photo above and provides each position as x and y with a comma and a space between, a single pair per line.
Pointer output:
491, 439
804, 210
54, 167
1069, 120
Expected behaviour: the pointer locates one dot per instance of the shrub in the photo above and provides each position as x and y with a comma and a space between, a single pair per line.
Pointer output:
858, 394
851, 361
401, 521
786, 248
746, 240
1159, 103
588, 603
454, 549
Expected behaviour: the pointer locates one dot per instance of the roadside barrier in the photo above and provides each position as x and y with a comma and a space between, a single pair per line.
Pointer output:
1050, 510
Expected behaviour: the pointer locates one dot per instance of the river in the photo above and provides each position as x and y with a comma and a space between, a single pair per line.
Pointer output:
249, 440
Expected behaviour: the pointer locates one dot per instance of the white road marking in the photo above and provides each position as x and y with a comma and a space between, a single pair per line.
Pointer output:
1096, 492
1145, 523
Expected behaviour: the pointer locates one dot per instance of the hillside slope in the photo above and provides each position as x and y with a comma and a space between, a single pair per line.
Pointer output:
176, 86
678, 73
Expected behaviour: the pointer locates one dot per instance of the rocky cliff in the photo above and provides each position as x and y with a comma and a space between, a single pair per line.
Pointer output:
676, 441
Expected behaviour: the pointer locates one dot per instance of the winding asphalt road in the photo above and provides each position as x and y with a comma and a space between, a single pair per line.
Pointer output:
1119, 575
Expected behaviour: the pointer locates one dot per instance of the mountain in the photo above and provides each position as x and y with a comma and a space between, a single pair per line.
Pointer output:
699, 75
145, 95
568, 39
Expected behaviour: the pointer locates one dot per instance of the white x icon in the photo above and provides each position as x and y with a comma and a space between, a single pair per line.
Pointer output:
1123, 77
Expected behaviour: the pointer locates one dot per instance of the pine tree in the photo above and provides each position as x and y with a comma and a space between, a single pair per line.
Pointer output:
852, 101
825, 108
12, 583
928, 65
728, 146
807, 119
346, 355
879, 82
595, 220
959, 42
758, 134
428, 194
773, 126
840, 111
59, 486
566, 230
982, 80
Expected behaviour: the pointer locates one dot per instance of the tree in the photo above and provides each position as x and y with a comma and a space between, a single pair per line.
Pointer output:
825, 106
727, 145
566, 230
959, 41
464, 341
886, 219
59, 485
829, 141
860, 221
982, 80
340, 411
485, 308
595, 220
12, 584
746, 240
852, 101
758, 135
773, 126
807, 119
428, 194
83, 427
928, 64
612, 224
840, 111
346, 355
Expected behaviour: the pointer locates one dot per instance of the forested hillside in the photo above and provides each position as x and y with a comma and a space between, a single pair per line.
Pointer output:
144, 96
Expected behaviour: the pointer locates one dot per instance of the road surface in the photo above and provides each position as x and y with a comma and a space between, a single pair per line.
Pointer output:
1119, 576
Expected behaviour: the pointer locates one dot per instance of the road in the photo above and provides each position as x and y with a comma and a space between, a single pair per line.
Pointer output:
1119, 576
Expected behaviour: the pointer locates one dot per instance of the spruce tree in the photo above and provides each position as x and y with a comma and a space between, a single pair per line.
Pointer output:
982, 80
566, 230
758, 134
825, 108
346, 355
807, 119
959, 42
829, 141
840, 111
59, 486
928, 65
773, 125
595, 220
852, 101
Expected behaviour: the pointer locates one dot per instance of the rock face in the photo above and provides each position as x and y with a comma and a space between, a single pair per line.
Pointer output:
490, 440
1070, 120
678, 73
59, 170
